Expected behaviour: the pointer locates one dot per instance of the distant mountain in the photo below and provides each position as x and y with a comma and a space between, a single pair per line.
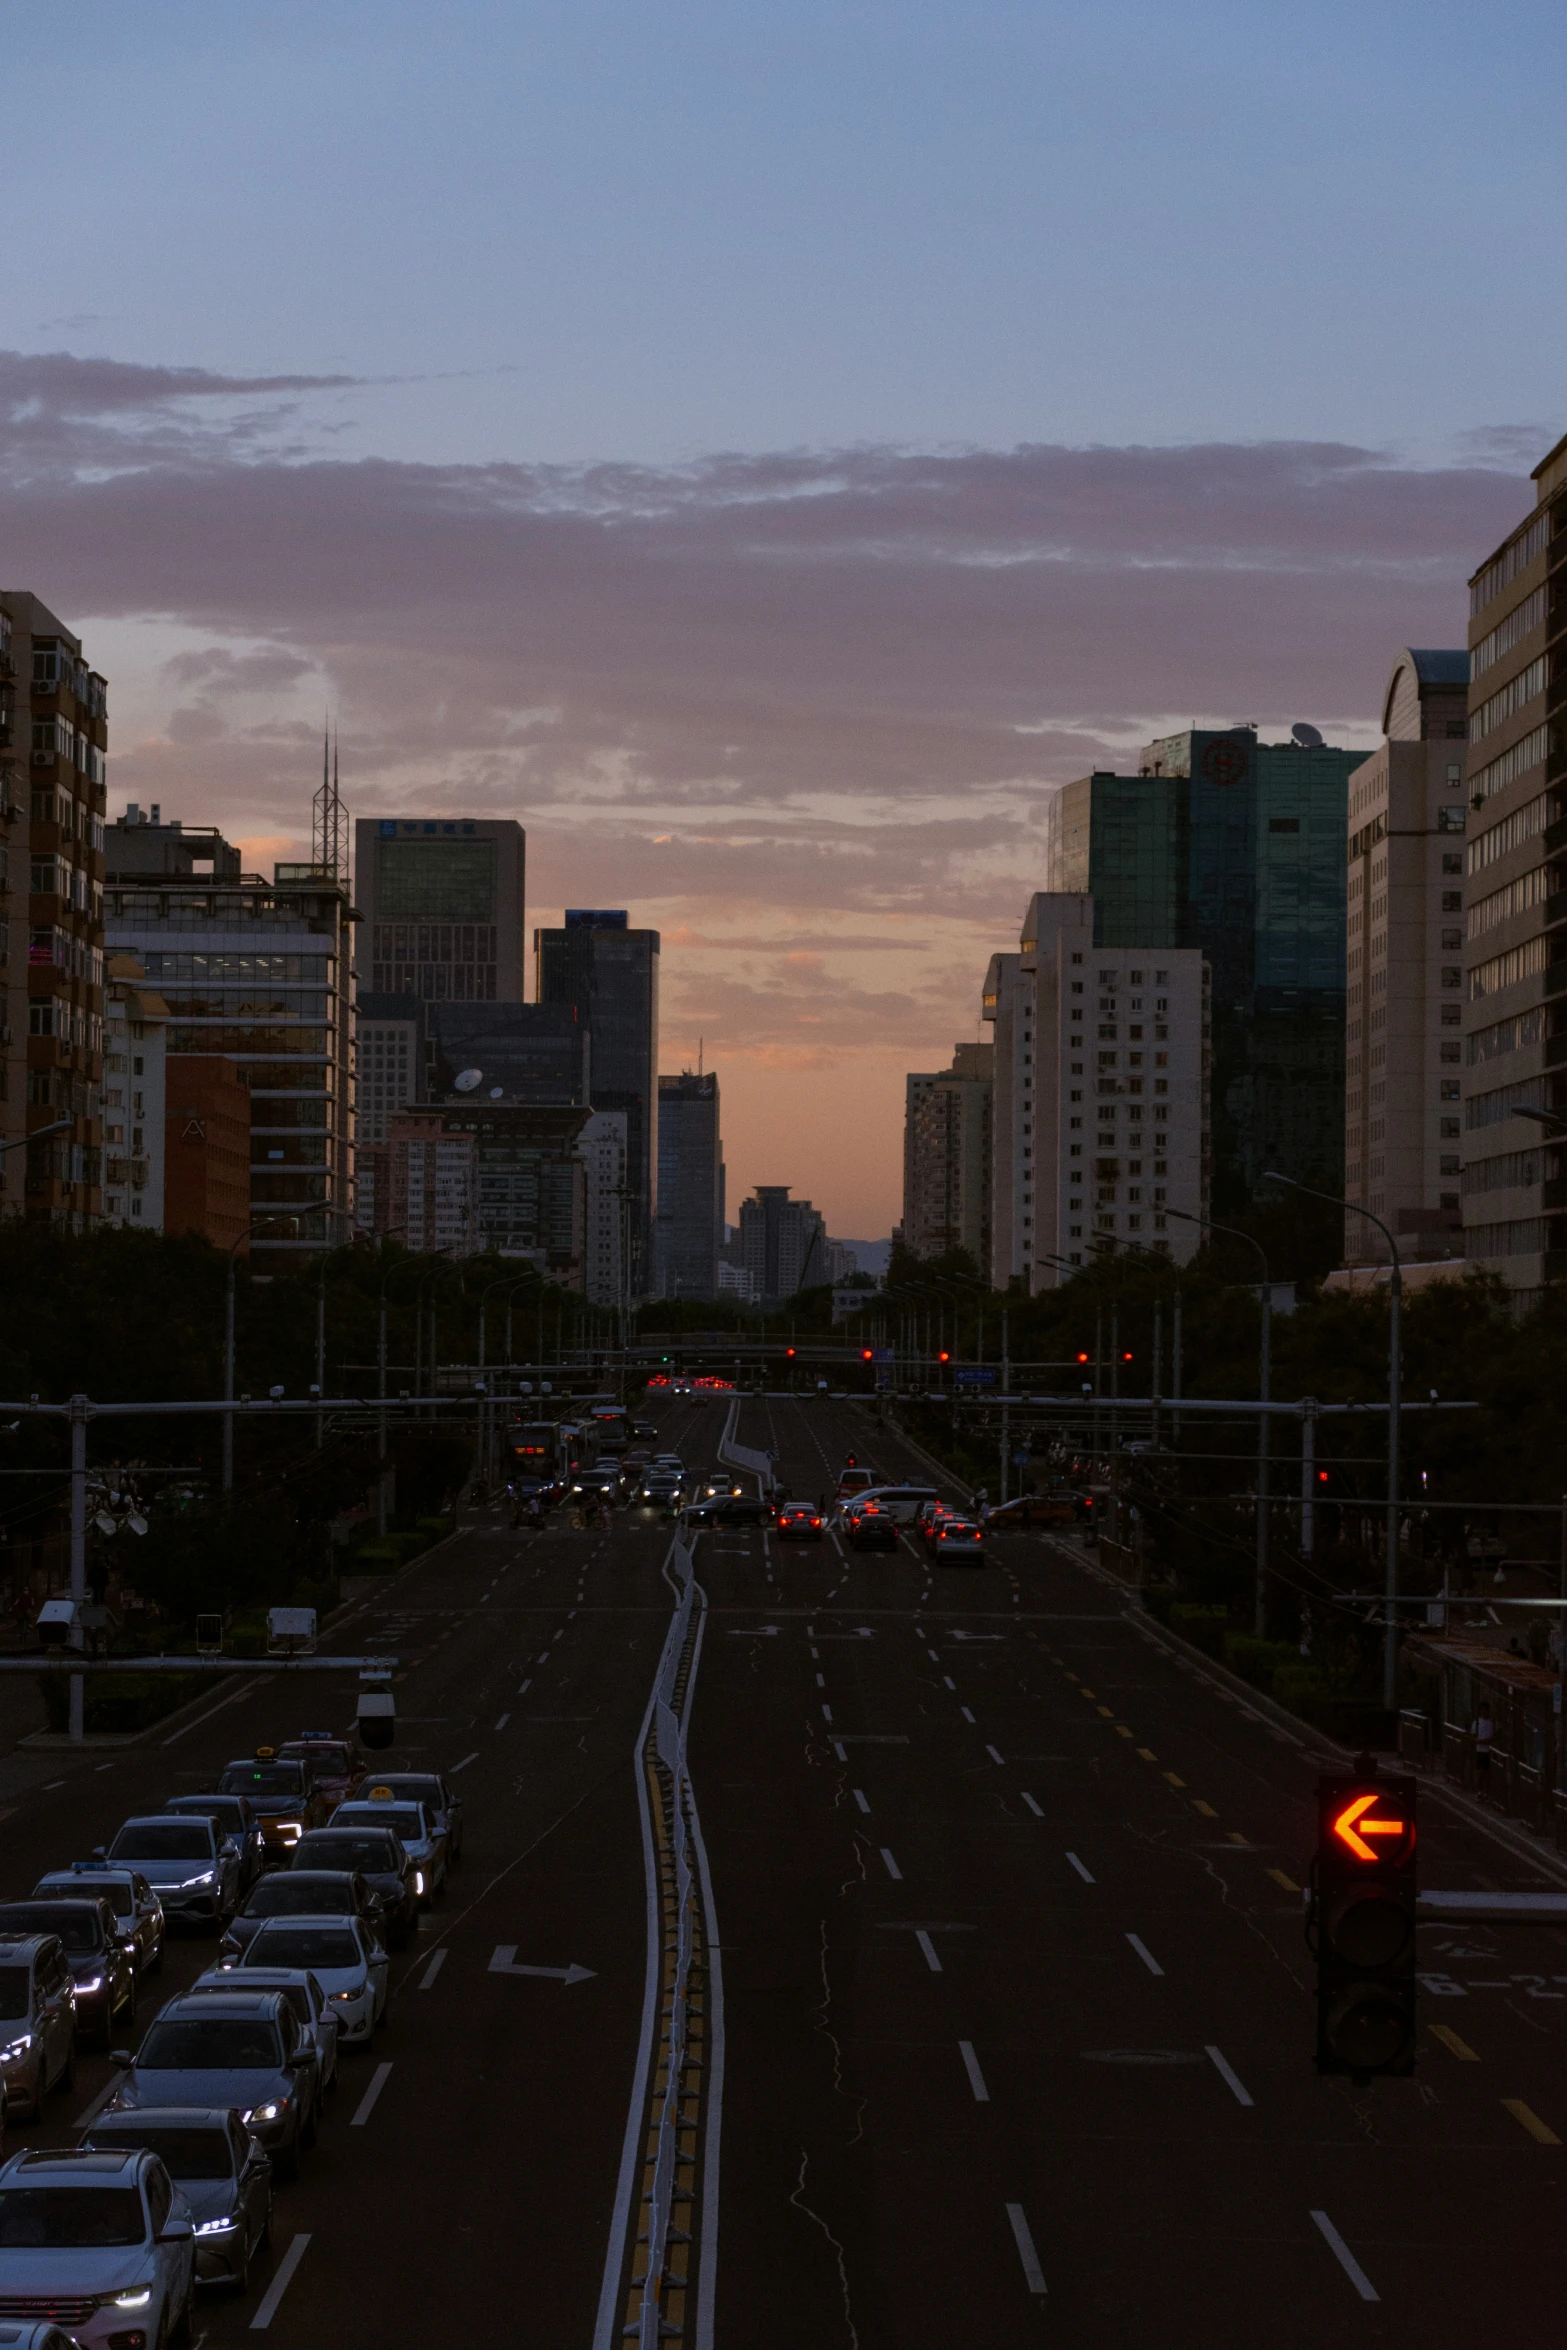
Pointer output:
872, 1255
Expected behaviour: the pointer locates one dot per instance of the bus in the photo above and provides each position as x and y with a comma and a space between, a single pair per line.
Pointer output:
613, 1423
550, 1448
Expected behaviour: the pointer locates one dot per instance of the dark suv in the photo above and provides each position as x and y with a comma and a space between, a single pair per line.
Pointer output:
103, 1972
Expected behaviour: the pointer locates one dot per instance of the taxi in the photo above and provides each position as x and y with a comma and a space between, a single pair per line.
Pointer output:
336, 1764
414, 1824
282, 1793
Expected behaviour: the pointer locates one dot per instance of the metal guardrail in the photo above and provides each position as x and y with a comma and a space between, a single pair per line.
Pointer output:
744, 1456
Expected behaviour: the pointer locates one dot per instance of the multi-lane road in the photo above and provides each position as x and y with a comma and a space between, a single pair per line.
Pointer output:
1002, 2023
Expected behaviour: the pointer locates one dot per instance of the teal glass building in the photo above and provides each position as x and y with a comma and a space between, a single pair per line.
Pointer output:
1237, 847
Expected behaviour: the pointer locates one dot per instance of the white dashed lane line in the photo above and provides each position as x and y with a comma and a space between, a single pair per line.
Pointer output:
432, 1970
976, 2079
1082, 1872
929, 1949
1023, 2238
1145, 1954
1033, 1807
463, 1765
282, 2278
861, 1799
1345, 2258
1229, 2076
891, 1866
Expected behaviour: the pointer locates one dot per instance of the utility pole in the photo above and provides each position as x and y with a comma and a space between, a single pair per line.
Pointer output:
1158, 1361
1308, 1475
1006, 1408
1175, 1372
78, 1412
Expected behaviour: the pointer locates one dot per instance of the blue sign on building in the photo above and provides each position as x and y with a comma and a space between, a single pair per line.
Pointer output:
973, 1375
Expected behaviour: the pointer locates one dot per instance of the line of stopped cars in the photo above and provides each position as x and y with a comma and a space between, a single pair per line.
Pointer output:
308, 1870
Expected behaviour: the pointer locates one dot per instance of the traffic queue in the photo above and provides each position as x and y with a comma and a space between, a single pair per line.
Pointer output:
308, 1868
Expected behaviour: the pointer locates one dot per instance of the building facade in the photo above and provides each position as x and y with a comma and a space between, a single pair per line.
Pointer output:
469, 1178
783, 1243
690, 1224
947, 1174
608, 974
442, 906
1515, 896
135, 1028
511, 1052
1404, 980
1010, 1003
53, 711
601, 1146
391, 1051
206, 1149
1235, 848
261, 973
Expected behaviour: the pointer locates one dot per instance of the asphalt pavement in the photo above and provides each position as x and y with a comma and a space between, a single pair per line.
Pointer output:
1006, 2025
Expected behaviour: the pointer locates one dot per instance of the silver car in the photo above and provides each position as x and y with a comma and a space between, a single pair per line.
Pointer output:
439, 1799
190, 1864
223, 2173
37, 2020
348, 1962
313, 2008
138, 1913
104, 2242
414, 1827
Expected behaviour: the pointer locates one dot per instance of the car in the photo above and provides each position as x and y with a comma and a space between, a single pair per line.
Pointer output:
223, 2173
313, 2008
661, 1488
37, 2021
336, 1764
731, 1509
903, 1502
246, 2051
546, 1493
439, 1800
717, 1484
799, 1522
307, 1893
103, 1973
1059, 1508
282, 1793
870, 1528
668, 1460
934, 1514
232, 1816
958, 1542
138, 1913
190, 1864
854, 1479
104, 2241
377, 1855
414, 1827
348, 1962
646, 1431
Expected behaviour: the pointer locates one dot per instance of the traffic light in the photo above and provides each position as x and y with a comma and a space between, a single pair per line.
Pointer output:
1082, 1358
866, 1355
789, 1352
1126, 1358
944, 1357
1361, 1923
1322, 1476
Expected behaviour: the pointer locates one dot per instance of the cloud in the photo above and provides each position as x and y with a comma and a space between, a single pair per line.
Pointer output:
813, 696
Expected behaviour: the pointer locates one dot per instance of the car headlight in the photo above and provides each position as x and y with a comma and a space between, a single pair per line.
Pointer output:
218, 2227
290, 1831
348, 1997
89, 1983
135, 2297
15, 2048
274, 2108
418, 1880
207, 1877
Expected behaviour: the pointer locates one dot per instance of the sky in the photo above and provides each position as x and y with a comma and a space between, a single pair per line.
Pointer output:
766, 450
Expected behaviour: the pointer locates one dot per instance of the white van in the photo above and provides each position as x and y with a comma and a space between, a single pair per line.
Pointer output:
902, 1502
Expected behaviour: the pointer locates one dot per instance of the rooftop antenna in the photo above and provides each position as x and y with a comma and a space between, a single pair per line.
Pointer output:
328, 818
699, 1056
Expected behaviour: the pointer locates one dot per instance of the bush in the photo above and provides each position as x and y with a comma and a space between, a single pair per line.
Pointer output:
1204, 1627
1259, 1661
435, 1526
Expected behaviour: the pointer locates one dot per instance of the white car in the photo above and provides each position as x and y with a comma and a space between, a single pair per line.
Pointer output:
105, 2241
349, 1964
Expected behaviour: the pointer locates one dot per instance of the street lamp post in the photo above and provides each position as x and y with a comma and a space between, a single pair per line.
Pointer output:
1264, 1371
228, 1346
1394, 1377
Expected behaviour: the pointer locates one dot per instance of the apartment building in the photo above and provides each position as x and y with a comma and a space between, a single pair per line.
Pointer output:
783, 1243
466, 1178
1515, 897
1010, 1003
947, 1180
51, 1035
136, 1020
690, 1221
1404, 980
601, 1146
391, 1052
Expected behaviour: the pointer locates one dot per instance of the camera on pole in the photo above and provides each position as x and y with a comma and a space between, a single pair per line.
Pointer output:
1361, 1922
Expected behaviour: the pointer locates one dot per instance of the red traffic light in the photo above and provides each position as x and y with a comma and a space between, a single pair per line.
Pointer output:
789, 1351
944, 1357
1126, 1358
1322, 1476
1082, 1358
1377, 1814
866, 1355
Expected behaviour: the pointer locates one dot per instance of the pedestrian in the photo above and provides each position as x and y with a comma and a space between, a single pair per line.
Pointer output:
1483, 1732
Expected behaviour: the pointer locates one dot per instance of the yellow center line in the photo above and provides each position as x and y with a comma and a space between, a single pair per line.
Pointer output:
1174, 1781
1147, 1754
1288, 1883
1108, 1711
1087, 1692
1236, 1837
1456, 2047
1122, 1731
1206, 1809
1531, 2121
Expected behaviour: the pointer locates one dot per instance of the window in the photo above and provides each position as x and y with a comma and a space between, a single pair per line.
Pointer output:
1507, 633
1449, 1164
1502, 970
1284, 824
1452, 863
1498, 773
1452, 901
1513, 558
1451, 1089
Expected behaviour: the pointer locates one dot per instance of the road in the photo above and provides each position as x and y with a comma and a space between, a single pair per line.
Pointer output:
1004, 2027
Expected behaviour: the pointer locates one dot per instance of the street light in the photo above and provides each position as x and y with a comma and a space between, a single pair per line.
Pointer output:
1394, 1371
20, 1141
1264, 1365
228, 1345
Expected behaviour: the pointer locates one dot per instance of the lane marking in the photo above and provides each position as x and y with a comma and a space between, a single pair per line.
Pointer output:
1235, 1836
929, 1948
1287, 1883
1206, 1809
1033, 1807
1033, 2273
826, 1713
432, 1970
1147, 1753
964, 1711
463, 1765
996, 1758
501, 1724
233, 1698
1108, 1711
1456, 2047
1145, 1954
860, 1798
840, 1750
1121, 1729
1229, 2076
91, 2113
1345, 2258
523, 1691
282, 2278
378, 2080
976, 2079
934, 1658
891, 1866
821, 1680
1531, 2121
1077, 1864
1174, 1780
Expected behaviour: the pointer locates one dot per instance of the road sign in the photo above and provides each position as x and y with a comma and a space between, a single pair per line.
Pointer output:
1363, 1906
974, 1375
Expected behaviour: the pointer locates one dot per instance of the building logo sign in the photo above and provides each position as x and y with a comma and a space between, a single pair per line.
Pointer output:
1225, 762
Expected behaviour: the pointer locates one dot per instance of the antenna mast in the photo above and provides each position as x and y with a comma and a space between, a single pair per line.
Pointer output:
329, 819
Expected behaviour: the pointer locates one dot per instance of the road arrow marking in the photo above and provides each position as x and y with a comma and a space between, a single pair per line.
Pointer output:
504, 1962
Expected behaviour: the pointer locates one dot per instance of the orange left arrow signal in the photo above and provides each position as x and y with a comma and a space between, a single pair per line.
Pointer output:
1353, 1827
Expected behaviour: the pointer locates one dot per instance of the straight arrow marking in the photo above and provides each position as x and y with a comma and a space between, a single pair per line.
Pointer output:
504, 1962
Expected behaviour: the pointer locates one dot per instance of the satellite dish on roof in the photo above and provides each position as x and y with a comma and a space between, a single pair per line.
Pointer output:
467, 1080
1307, 736
497, 1093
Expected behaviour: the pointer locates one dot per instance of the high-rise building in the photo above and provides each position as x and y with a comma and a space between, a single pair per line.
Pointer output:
1404, 980
134, 1077
391, 1056
504, 1176
1011, 1005
510, 1052
608, 973
690, 1223
601, 1146
783, 1242
946, 1157
51, 1036
1515, 891
442, 906
1235, 848
206, 1149
259, 972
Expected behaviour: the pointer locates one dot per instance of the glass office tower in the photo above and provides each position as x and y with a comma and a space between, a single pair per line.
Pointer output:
608, 973
1236, 847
